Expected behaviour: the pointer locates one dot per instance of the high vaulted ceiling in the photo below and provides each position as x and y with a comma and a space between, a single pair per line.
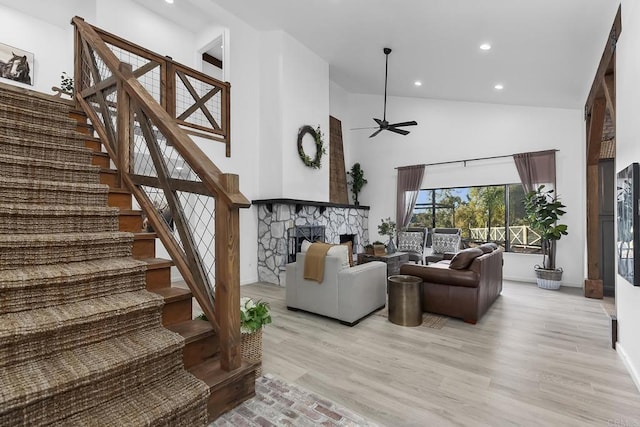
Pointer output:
544, 52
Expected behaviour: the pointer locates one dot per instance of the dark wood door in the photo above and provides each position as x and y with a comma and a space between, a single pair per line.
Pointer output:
606, 218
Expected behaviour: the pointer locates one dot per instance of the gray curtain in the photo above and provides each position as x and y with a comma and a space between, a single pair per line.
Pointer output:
409, 181
536, 168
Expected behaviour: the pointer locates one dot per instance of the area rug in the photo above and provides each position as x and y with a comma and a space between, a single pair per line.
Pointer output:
278, 403
429, 320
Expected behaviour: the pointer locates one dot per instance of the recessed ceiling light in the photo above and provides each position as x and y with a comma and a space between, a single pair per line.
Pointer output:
498, 87
169, 1
417, 83
485, 46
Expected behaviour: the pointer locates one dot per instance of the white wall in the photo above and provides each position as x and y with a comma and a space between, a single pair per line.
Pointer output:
457, 130
628, 151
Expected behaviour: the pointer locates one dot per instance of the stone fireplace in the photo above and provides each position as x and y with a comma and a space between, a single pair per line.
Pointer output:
284, 223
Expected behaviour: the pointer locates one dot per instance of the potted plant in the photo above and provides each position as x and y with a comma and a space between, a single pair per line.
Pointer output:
253, 316
543, 210
368, 249
379, 248
388, 228
357, 181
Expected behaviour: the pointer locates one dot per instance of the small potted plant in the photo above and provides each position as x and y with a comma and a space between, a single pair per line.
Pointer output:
543, 210
357, 181
379, 248
388, 228
368, 249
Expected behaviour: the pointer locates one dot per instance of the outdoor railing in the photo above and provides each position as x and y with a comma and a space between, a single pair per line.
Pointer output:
125, 91
521, 235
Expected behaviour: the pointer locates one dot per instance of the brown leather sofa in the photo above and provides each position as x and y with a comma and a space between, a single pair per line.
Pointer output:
463, 286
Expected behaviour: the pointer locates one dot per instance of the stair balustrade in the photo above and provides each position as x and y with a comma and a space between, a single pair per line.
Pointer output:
144, 106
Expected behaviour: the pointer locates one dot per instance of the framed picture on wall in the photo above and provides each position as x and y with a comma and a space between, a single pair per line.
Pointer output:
628, 238
16, 64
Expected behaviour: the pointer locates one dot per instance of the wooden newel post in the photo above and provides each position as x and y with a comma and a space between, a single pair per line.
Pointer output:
228, 276
124, 128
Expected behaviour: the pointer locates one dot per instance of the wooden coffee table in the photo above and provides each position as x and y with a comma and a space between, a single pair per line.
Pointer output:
393, 261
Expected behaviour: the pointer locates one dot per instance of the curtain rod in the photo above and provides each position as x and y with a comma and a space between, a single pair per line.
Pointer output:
476, 159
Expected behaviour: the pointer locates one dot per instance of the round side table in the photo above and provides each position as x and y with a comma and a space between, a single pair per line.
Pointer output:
404, 300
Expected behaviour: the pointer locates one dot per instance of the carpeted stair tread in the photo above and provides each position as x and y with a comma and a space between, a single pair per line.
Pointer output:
23, 129
24, 249
25, 167
41, 332
48, 389
34, 287
20, 190
21, 147
38, 219
46, 117
179, 400
13, 98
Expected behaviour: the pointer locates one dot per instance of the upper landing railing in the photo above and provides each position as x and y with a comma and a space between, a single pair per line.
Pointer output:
143, 106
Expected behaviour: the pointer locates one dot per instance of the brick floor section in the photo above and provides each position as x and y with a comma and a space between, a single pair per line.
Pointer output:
280, 404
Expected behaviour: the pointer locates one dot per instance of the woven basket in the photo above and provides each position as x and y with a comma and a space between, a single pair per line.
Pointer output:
251, 349
549, 279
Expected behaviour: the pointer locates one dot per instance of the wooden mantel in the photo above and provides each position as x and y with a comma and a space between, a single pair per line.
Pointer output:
301, 203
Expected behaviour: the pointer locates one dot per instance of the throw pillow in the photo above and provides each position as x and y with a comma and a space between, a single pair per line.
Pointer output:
410, 241
463, 259
349, 246
442, 243
341, 252
304, 247
486, 248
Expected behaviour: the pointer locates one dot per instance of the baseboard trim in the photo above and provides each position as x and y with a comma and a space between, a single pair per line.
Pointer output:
530, 280
635, 374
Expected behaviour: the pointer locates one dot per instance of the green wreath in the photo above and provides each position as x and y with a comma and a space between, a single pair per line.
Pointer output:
314, 163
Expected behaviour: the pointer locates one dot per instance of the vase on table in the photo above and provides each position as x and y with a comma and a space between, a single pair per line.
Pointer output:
391, 246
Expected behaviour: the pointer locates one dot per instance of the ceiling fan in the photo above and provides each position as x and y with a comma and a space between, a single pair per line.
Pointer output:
384, 124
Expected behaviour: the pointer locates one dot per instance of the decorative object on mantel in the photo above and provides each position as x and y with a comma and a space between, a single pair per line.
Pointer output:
543, 211
388, 228
317, 135
356, 182
66, 86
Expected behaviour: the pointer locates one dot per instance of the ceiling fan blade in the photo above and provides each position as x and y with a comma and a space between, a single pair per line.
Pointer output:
375, 133
378, 121
411, 123
400, 131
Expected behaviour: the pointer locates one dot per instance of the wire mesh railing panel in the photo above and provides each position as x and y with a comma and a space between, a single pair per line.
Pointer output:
151, 80
185, 100
199, 212
157, 197
142, 160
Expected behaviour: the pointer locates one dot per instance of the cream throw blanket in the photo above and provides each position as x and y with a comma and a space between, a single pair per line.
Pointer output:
314, 261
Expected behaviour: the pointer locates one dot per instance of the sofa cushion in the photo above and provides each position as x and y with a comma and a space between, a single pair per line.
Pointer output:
463, 259
442, 243
440, 274
410, 241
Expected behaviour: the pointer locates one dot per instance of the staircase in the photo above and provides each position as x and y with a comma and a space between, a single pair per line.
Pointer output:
91, 331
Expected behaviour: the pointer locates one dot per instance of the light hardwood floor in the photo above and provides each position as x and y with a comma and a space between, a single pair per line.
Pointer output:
537, 358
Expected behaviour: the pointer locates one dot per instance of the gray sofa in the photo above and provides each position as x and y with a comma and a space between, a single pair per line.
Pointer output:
346, 294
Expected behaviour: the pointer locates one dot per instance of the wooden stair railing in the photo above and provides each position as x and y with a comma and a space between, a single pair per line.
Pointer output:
158, 161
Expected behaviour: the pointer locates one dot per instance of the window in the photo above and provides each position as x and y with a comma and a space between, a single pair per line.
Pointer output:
484, 214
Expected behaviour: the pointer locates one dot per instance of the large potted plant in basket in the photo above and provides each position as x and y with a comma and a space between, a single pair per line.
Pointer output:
543, 210
253, 316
